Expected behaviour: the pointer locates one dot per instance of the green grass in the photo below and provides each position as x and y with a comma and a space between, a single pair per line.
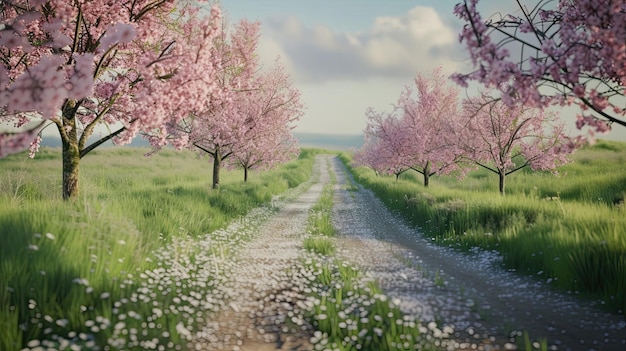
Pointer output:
350, 313
569, 229
70, 271
319, 221
319, 245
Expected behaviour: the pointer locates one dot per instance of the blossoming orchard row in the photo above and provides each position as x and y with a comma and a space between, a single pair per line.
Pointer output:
432, 132
168, 70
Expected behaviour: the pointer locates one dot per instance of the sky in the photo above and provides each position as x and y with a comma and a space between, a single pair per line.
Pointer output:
348, 55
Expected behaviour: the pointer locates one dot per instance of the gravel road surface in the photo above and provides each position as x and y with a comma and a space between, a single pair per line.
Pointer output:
473, 293
484, 304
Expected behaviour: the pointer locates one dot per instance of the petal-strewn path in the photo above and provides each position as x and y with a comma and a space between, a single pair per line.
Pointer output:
473, 293
263, 289
264, 297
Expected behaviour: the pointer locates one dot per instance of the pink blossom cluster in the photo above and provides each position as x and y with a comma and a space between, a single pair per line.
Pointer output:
251, 112
15, 142
419, 134
571, 53
118, 33
42, 89
270, 111
190, 91
136, 63
505, 138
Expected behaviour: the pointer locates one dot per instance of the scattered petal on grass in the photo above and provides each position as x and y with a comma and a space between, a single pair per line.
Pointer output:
105, 295
182, 330
80, 281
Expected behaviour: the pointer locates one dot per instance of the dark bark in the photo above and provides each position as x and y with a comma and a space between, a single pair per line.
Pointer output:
70, 154
217, 164
502, 176
245, 173
71, 167
427, 175
86, 150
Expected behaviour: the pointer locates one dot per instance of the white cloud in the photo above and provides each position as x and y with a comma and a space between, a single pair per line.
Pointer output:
393, 46
269, 49
388, 25
292, 27
323, 37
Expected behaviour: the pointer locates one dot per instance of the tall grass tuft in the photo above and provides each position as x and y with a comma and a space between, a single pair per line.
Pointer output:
319, 220
319, 245
351, 313
569, 230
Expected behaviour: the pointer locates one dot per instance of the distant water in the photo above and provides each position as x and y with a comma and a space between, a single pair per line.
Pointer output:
323, 141
333, 142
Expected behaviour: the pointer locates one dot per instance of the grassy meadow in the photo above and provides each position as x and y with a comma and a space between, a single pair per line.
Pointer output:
568, 230
88, 272
131, 263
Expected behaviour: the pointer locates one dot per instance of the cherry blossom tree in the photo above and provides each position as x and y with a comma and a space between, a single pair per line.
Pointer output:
420, 133
119, 64
366, 155
430, 116
385, 148
505, 138
267, 154
218, 129
249, 122
270, 108
571, 53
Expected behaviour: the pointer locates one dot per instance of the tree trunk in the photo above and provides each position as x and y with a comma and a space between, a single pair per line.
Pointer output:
71, 155
71, 163
217, 164
502, 175
245, 173
427, 175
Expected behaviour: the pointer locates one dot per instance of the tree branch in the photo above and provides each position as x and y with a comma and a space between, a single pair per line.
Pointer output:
212, 153
86, 150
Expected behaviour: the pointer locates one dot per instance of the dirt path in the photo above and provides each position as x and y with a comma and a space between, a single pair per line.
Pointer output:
260, 307
260, 299
472, 293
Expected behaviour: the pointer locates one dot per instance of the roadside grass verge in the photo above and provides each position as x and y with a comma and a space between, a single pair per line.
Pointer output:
569, 230
319, 221
320, 245
126, 264
351, 313
348, 311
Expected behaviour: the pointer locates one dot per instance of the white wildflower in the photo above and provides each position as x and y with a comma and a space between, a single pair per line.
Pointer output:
180, 328
81, 281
